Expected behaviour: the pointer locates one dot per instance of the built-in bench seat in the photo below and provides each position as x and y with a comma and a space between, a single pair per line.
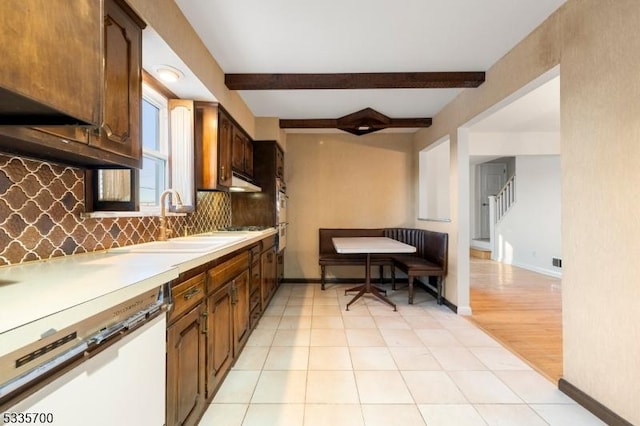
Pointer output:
328, 256
429, 260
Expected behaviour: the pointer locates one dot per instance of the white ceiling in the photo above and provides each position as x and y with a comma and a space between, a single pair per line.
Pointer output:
536, 111
330, 36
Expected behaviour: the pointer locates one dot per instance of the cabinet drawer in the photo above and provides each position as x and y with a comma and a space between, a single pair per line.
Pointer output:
227, 271
187, 294
269, 242
255, 252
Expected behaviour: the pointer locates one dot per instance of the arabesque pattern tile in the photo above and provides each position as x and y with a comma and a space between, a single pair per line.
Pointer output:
41, 206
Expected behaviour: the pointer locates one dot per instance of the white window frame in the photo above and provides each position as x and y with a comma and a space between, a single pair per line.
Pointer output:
161, 102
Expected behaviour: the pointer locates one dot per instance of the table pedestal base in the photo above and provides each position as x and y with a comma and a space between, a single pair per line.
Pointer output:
368, 288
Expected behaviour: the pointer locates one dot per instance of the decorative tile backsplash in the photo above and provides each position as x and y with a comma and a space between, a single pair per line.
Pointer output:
41, 206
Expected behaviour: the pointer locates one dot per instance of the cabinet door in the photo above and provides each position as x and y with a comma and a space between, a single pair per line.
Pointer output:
219, 337
238, 150
225, 141
120, 128
242, 153
280, 268
50, 52
186, 368
268, 279
241, 316
205, 135
248, 157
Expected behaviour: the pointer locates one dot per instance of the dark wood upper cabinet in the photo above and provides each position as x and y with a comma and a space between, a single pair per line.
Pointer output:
50, 53
120, 125
260, 209
225, 143
70, 86
242, 149
213, 133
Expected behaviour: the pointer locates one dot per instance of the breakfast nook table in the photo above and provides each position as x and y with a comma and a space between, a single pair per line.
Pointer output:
369, 245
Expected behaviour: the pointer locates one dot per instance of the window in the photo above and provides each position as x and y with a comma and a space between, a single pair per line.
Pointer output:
155, 148
433, 185
167, 160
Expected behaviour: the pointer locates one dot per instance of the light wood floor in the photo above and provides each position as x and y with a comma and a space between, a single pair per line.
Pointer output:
522, 310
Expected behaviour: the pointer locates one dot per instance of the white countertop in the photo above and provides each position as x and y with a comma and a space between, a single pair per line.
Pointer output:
352, 245
38, 296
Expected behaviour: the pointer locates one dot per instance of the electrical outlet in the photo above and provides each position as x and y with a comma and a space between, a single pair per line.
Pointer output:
556, 261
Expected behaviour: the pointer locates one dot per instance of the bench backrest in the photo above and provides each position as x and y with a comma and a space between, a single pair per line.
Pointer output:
430, 245
326, 234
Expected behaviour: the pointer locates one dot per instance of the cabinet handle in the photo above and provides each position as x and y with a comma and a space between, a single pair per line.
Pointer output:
192, 292
234, 293
204, 315
222, 173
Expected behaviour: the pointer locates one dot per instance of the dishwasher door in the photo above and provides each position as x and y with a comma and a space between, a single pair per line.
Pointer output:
124, 384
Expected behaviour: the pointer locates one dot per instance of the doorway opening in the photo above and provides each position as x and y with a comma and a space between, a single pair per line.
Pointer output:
515, 292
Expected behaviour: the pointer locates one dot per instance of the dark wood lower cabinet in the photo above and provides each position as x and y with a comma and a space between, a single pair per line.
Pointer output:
269, 283
219, 337
255, 298
185, 372
209, 325
241, 316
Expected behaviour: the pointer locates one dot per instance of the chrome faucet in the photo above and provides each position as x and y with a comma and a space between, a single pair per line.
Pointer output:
165, 231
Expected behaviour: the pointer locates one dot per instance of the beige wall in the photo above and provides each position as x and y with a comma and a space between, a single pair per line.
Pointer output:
600, 111
268, 129
596, 44
340, 180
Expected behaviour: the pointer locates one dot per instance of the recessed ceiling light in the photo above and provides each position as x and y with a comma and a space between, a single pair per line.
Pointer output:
169, 74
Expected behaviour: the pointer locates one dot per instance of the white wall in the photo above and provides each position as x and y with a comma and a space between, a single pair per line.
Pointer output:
530, 235
523, 239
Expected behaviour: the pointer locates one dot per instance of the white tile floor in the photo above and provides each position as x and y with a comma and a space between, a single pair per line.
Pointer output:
311, 362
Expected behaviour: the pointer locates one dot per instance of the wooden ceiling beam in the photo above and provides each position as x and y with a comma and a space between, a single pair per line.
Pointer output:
358, 123
310, 123
330, 123
394, 80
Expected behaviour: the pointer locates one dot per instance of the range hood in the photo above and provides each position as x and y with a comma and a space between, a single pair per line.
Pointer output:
239, 184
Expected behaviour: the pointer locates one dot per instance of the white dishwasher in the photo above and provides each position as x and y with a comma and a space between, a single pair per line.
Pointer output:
115, 376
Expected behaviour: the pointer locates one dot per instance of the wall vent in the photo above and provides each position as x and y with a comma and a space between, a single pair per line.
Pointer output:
556, 261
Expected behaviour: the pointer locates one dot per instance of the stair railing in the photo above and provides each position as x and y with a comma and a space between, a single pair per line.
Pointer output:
505, 198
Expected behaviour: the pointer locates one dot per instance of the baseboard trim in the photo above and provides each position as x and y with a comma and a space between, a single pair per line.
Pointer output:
465, 310
539, 270
598, 409
418, 282
387, 280
300, 281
